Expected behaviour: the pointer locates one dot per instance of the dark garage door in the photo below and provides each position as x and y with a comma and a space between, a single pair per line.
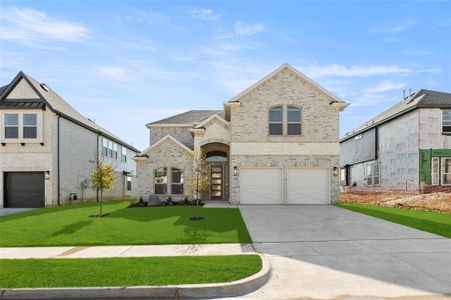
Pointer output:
24, 189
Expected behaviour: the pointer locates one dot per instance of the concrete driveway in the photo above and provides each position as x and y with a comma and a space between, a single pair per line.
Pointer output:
327, 252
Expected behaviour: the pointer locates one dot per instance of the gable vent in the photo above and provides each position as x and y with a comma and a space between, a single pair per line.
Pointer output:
44, 87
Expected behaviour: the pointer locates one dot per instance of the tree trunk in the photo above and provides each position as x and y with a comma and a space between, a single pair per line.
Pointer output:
197, 189
101, 200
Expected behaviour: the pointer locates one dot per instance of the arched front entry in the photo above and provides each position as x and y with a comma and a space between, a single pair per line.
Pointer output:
217, 156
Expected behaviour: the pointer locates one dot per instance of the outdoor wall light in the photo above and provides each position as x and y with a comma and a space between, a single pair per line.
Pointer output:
335, 171
235, 170
47, 174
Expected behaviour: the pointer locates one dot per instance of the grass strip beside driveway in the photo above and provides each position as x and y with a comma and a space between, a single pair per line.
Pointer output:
118, 272
72, 226
433, 222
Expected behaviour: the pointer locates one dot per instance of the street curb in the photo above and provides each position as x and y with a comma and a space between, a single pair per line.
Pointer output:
209, 290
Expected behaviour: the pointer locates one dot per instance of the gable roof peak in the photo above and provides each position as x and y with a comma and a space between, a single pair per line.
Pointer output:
296, 72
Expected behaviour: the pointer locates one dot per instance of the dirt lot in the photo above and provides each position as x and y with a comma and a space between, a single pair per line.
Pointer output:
433, 201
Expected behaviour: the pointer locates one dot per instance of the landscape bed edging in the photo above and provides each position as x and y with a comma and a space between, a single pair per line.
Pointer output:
207, 290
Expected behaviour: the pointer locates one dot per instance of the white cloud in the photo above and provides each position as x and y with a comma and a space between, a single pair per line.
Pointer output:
113, 73
241, 29
204, 14
147, 16
224, 49
385, 86
336, 70
34, 27
418, 53
244, 29
396, 28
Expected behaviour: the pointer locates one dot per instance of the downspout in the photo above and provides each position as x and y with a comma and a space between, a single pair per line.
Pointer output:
58, 159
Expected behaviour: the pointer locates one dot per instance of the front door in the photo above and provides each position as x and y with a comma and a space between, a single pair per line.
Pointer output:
216, 182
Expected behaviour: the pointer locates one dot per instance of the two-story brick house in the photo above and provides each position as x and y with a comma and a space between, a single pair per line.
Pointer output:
48, 150
406, 147
277, 142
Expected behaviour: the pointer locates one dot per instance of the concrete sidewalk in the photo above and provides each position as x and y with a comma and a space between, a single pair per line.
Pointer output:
125, 251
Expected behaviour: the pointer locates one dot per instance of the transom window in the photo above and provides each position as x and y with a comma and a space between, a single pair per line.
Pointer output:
373, 175
276, 120
293, 120
446, 121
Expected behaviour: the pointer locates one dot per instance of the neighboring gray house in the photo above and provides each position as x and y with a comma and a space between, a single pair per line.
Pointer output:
277, 142
48, 149
406, 147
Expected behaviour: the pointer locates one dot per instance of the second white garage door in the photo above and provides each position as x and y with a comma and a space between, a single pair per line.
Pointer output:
261, 186
308, 186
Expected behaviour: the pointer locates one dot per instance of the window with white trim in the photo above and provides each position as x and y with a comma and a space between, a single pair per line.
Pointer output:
435, 171
446, 170
11, 126
124, 154
30, 126
105, 147
373, 175
21, 127
114, 151
446, 121
129, 183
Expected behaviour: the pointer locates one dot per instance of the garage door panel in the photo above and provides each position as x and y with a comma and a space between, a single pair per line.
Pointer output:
308, 186
261, 186
25, 189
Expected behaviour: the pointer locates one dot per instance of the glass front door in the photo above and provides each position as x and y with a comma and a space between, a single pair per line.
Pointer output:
216, 182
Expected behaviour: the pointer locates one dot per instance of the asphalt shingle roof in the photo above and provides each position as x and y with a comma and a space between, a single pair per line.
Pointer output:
421, 99
188, 117
60, 105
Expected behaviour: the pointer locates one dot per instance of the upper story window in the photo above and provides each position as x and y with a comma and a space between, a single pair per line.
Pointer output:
276, 120
446, 121
11, 126
293, 120
124, 154
114, 150
20, 127
30, 123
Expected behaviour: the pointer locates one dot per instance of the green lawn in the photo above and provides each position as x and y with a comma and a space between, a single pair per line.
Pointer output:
434, 222
113, 272
71, 226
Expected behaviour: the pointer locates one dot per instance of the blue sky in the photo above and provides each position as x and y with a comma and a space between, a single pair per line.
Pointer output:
125, 64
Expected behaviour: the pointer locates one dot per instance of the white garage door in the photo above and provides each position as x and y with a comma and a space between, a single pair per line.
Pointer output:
261, 186
308, 186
